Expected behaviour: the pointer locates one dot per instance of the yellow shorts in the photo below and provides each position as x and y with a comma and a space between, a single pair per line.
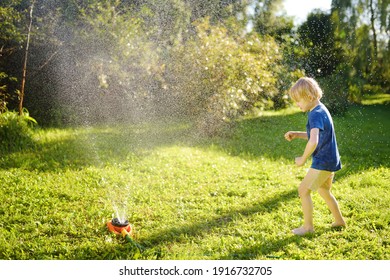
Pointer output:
316, 179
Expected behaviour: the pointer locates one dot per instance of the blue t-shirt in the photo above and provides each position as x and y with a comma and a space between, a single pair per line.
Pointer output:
326, 156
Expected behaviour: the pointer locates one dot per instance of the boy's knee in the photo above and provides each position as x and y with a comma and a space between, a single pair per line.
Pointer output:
303, 190
324, 192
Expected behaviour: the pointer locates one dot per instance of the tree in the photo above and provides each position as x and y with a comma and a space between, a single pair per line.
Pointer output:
268, 21
321, 56
364, 25
323, 59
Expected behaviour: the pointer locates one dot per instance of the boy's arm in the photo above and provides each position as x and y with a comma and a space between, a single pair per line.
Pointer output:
290, 135
310, 147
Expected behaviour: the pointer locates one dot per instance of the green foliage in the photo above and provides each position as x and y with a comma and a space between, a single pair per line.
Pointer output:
9, 21
16, 132
222, 76
122, 62
96, 61
10, 40
269, 21
361, 29
5, 96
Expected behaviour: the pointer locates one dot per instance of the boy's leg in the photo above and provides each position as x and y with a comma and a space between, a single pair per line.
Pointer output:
307, 209
331, 201
313, 179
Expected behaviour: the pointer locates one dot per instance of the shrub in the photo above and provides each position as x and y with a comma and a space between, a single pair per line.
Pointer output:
16, 131
220, 76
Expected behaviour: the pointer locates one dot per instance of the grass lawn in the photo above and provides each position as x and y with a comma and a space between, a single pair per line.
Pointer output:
193, 198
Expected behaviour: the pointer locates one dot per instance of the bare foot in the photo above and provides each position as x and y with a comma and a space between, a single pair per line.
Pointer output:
339, 225
302, 231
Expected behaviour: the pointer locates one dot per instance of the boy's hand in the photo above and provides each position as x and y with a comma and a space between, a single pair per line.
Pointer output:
299, 161
289, 135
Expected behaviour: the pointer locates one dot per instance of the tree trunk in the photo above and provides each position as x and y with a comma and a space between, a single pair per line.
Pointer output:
372, 19
21, 95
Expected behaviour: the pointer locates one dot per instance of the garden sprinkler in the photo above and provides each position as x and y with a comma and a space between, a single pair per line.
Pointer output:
124, 228
116, 226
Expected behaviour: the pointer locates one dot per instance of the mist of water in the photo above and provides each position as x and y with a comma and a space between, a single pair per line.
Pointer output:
120, 70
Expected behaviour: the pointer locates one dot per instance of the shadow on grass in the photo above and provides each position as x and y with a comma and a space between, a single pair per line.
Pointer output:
264, 137
268, 249
363, 138
174, 234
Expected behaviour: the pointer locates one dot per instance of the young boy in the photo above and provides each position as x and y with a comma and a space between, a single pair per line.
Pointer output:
322, 146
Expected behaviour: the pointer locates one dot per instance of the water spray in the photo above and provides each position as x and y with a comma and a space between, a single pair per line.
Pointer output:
118, 227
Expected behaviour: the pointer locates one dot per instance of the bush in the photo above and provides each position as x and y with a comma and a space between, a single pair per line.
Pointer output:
219, 75
16, 131
372, 89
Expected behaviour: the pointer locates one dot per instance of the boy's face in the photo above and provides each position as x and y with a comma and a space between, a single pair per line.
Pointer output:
304, 104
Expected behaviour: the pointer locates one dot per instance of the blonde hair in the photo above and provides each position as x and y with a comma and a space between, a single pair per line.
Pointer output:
305, 88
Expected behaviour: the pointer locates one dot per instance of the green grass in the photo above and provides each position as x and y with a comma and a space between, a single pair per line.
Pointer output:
193, 198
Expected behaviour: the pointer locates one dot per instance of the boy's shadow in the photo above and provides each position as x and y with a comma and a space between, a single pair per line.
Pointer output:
270, 249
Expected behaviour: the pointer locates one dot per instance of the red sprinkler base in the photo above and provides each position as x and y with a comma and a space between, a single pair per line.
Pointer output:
117, 227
